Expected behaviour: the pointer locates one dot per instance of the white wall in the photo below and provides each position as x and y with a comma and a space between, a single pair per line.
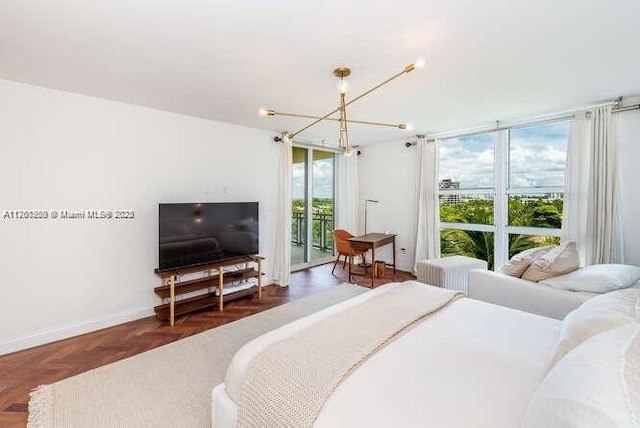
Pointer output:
629, 141
65, 151
387, 173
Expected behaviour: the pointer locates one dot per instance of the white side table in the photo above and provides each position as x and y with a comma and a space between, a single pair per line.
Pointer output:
449, 272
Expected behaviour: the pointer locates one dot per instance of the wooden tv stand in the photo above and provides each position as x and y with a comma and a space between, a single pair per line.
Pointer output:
215, 278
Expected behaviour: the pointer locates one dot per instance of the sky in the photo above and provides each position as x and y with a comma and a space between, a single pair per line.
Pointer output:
537, 157
322, 179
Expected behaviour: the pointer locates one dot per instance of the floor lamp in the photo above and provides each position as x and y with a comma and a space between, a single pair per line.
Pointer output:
366, 204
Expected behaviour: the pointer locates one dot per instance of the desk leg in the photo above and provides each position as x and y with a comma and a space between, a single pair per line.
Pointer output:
373, 263
394, 256
350, 261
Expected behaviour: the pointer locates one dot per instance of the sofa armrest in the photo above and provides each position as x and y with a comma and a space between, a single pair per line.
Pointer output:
528, 296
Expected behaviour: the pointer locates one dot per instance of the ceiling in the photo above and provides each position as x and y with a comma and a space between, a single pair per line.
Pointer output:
223, 60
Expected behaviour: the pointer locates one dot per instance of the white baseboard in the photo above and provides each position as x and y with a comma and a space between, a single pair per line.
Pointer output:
70, 330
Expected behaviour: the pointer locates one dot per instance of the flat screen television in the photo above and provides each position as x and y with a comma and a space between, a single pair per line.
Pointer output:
192, 234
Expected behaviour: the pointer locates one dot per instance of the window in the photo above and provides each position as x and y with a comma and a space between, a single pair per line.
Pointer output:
467, 162
501, 192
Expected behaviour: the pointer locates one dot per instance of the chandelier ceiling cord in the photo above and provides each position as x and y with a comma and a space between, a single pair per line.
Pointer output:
343, 138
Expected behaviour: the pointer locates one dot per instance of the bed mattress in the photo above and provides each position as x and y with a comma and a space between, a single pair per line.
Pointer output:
472, 364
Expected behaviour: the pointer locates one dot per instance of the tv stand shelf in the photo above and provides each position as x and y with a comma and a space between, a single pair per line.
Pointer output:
216, 277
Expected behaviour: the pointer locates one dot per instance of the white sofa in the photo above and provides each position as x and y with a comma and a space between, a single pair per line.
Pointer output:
528, 296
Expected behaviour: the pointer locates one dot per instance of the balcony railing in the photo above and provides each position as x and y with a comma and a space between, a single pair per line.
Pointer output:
322, 230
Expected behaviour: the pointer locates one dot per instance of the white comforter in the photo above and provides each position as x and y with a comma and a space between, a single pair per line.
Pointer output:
470, 365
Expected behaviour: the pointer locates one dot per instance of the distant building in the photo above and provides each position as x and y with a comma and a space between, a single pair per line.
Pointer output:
449, 184
552, 196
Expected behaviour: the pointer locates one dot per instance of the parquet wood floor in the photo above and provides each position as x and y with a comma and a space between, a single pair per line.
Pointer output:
22, 371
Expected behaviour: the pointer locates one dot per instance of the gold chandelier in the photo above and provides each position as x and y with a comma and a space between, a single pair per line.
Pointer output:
343, 139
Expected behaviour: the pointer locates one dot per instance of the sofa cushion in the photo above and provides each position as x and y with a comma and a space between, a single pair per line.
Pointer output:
595, 385
558, 261
596, 278
596, 315
521, 261
517, 293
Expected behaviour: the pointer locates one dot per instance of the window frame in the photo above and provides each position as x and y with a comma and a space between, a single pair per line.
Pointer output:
501, 193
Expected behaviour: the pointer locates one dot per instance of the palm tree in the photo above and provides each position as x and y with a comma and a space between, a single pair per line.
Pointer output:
453, 242
465, 242
537, 213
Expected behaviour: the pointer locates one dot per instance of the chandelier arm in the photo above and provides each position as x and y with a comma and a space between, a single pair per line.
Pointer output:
361, 122
378, 86
326, 116
409, 68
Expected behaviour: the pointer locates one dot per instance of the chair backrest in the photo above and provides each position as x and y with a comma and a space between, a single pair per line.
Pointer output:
340, 237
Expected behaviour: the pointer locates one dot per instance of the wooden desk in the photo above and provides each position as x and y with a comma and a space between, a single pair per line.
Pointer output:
371, 241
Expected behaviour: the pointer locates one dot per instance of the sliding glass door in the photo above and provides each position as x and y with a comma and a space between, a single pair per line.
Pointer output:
312, 207
299, 207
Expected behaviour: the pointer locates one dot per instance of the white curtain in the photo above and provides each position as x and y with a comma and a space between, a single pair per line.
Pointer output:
604, 240
427, 230
347, 195
576, 185
282, 256
591, 214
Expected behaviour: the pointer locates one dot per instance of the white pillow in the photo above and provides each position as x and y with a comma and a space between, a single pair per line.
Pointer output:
521, 261
558, 261
596, 278
595, 385
595, 316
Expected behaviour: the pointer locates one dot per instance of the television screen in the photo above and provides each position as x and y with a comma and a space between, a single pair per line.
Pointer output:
197, 233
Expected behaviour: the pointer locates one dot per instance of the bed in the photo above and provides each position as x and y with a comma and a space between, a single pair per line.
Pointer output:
468, 364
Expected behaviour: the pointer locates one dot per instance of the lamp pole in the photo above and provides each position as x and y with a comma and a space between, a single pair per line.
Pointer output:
366, 204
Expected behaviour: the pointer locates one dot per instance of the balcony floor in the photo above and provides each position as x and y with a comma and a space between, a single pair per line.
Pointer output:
297, 255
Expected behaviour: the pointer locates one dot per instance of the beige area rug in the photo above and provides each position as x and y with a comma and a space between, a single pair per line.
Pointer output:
169, 386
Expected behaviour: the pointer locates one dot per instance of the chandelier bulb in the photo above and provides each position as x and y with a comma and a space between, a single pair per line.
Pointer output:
348, 151
262, 111
419, 64
343, 85
408, 127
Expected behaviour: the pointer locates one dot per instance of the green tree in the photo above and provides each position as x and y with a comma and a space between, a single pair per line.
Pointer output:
546, 216
531, 212
322, 221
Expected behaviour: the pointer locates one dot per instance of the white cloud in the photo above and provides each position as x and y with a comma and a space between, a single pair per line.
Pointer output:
537, 157
323, 178
322, 171
468, 160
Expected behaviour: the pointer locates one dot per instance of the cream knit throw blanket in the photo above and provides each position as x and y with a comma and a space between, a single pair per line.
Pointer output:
288, 382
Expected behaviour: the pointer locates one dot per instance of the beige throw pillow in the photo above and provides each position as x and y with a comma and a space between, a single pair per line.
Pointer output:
521, 261
560, 260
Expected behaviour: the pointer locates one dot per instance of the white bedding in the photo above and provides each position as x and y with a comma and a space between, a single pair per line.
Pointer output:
470, 365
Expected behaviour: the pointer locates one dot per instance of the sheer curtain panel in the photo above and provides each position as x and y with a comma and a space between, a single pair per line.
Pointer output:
282, 256
427, 228
347, 195
592, 189
604, 239
576, 185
